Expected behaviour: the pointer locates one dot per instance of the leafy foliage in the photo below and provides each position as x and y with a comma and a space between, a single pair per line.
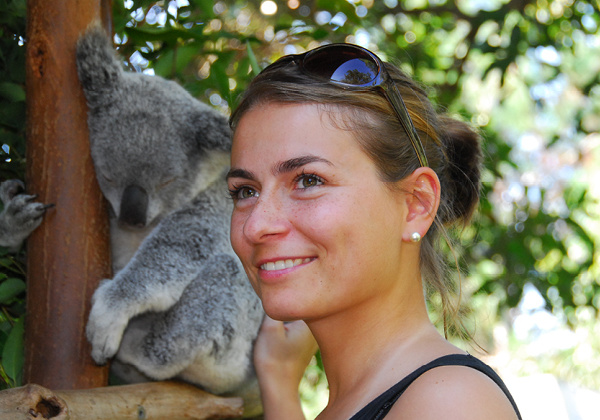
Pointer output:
12, 290
12, 165
12, 88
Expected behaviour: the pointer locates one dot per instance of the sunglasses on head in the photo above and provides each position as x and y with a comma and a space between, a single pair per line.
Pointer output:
352, 67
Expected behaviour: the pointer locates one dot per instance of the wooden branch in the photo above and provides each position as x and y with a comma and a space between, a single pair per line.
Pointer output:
147, 401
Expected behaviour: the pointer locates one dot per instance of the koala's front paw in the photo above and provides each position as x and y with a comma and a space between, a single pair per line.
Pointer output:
107, 322
25, 212
21, 214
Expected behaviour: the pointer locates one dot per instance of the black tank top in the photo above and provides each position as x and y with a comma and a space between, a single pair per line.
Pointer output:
380, 406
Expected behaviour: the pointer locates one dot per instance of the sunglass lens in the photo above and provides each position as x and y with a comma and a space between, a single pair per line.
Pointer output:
349, 67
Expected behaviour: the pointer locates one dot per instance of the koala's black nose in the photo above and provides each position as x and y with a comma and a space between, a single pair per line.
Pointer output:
134, 206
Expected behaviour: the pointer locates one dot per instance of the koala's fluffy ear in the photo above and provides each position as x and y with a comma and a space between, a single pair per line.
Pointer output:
98, 68
211, 130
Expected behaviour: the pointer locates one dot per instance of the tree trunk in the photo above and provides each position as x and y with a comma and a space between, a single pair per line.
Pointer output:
69, 253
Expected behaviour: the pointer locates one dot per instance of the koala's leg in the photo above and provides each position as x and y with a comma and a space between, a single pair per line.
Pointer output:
206, 338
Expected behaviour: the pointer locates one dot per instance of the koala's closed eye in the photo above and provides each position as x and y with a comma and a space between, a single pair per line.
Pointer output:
107, 178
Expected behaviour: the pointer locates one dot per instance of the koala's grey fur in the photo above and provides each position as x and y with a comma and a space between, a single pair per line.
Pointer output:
180, 304
21, 214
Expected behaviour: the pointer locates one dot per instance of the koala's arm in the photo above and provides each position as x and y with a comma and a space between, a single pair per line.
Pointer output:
168, 259
206, 338
20, 216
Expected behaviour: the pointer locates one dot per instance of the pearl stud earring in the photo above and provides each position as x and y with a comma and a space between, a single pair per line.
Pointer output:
415, 237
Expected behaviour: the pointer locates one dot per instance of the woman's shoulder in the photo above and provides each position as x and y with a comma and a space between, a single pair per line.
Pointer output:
453, 392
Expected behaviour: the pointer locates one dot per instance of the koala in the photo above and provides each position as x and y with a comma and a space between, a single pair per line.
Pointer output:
179, 304
21, 214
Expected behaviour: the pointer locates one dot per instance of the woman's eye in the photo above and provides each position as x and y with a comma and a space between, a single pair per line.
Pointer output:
308, 180
248, 193
243, 193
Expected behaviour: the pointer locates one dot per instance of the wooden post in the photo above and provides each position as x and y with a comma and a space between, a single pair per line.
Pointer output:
69, 253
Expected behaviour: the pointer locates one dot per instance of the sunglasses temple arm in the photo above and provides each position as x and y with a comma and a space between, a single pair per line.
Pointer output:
393, 96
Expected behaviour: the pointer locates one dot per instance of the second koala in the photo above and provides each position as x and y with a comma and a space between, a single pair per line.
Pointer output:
179, 305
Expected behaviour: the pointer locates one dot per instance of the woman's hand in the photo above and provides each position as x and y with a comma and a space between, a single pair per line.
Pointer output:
281, 354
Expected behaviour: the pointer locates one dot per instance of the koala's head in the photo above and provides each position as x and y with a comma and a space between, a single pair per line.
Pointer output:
154, 146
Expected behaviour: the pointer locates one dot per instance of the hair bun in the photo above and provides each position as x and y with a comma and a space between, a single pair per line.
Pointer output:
463, 151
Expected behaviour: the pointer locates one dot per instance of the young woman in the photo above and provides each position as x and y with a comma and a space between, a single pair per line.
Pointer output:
344, 178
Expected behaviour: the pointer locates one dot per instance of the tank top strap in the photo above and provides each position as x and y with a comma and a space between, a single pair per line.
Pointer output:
380, 406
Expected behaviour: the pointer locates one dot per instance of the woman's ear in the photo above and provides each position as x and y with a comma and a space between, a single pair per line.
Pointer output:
422, 189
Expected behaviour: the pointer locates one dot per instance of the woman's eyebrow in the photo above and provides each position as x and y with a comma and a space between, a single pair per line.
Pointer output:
240, 173
285, 166
298, 162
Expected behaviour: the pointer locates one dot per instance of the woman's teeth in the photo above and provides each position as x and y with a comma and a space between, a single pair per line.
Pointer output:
281, 264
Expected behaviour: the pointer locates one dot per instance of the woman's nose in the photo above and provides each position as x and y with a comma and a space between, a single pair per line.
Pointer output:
267, 220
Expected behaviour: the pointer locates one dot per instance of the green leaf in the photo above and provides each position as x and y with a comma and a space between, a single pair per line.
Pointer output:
10, 288
320, 33
206, 6
164, 65
186, 55
12, 114
219, 77
3, 337
253, 62
16, 9
12, 92
13, 352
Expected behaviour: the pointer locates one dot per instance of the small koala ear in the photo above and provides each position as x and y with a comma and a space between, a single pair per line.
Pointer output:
211, 129
97, 65
422, 200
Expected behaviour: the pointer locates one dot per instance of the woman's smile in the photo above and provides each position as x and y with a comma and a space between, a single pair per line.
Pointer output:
283, 264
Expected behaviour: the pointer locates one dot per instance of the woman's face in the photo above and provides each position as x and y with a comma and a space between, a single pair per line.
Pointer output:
316, 229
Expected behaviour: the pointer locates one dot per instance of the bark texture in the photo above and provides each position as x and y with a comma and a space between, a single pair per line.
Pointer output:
69, 253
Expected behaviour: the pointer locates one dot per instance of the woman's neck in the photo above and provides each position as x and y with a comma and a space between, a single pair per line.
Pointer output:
367, 349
